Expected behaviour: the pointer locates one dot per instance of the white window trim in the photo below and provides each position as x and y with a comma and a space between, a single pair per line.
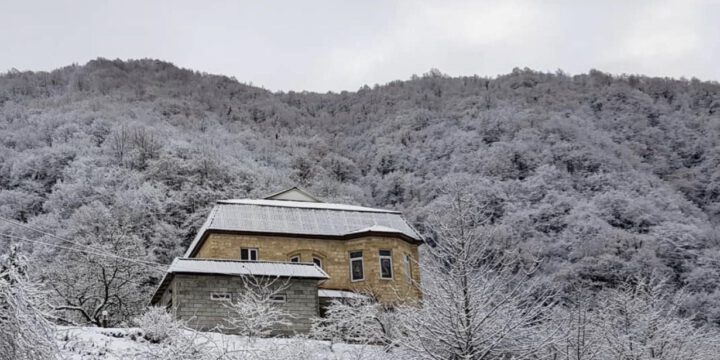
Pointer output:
278, 301
392, 270
408, 268
257, 254
362, 262
321, 261
295, 257
220, 296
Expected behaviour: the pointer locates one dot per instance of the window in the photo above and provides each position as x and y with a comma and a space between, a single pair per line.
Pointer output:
295, 258
386, 267
220, 296
356, 266
317, 261
249, 254
408, 268
278, 299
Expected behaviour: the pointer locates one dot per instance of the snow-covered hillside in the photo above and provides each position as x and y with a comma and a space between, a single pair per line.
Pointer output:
128, 343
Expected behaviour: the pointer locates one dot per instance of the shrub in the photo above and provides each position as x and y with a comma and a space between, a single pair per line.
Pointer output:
158, 325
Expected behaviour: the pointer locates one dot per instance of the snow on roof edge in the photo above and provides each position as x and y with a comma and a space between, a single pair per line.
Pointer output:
332, 293
304, 205
201, 231
240, 267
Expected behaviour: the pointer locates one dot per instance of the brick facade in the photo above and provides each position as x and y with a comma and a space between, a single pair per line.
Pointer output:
335, 260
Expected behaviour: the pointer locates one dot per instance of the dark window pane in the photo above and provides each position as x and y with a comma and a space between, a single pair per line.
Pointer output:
385, 253
243, 254
317, 262
356, 254
357, 270
295, 259
253, 255
386, 268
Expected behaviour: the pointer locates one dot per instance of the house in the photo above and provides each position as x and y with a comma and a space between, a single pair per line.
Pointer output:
340, 251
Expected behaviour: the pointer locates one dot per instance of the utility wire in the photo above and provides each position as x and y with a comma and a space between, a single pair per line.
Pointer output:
105, 254
13, 222
26, 226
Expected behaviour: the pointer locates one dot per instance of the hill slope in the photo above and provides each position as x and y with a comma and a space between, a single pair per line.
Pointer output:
603, 177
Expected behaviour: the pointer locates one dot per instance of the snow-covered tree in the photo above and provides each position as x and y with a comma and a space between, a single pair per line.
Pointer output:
479, 301
253, 312
25, 332
642, 320
100, 281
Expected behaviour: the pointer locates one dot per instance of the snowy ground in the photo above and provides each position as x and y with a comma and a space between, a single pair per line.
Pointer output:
127, 343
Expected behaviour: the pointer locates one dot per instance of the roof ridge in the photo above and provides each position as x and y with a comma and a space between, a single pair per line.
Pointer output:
306, 205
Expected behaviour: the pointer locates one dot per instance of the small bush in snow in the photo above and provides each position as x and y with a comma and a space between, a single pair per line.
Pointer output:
357, 321
158, 325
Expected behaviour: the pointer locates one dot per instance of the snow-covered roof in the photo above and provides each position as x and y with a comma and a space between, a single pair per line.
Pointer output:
301, 218
377, 228
238, 268
304, 205
341, 294
255, 268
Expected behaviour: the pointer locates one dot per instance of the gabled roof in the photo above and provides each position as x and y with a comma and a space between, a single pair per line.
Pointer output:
238, 268
302, 219
293, 194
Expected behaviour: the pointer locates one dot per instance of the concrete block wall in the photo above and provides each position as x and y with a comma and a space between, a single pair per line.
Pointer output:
192, 302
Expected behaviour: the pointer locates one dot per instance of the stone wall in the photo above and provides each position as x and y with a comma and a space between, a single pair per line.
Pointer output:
335, 255
192, 302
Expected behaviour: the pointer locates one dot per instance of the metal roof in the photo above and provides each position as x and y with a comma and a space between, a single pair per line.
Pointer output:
301, 218
304, 205
254, 268
237, 268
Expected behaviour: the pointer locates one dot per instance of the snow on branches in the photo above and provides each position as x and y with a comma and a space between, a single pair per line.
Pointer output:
25, 333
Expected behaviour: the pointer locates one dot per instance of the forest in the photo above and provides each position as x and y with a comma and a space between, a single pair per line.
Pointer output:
596, 178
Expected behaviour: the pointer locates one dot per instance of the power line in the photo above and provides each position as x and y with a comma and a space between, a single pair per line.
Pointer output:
13, 222
26, 226
105, 254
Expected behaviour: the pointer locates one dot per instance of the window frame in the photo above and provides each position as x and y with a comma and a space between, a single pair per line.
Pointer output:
407, 259
277, 301
386, 257
297, 257
221, 296
249, 251
319, 259
362, 265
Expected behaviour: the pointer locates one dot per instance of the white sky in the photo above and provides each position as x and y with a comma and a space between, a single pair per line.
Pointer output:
341, 45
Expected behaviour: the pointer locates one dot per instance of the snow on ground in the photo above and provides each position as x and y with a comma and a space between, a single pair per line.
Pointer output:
82, 343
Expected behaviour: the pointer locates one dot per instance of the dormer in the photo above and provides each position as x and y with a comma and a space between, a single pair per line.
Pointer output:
293, 194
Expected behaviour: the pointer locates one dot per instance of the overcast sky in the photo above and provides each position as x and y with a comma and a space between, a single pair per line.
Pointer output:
341, 45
